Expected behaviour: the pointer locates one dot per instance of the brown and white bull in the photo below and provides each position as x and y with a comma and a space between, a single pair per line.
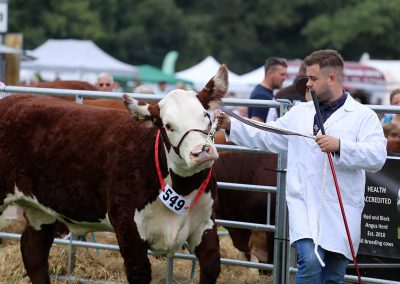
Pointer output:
94, 169
247, 206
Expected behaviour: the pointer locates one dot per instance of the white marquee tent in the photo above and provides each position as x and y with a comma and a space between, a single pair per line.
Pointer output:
200, 73
71, 59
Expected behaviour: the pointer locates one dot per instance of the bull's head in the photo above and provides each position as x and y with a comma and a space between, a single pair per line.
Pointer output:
182, 116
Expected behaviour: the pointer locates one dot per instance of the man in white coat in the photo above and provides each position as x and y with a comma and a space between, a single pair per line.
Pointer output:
355, 137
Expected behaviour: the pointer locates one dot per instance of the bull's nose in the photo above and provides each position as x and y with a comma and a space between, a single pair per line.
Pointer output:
204, 149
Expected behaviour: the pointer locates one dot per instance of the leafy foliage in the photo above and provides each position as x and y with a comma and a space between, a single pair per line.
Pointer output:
240, 33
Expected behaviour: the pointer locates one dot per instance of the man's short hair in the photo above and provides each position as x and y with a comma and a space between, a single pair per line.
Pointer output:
273, 61
105, 75
325, 58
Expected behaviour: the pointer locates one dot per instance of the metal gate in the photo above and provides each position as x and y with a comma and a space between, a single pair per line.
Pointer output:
283, 254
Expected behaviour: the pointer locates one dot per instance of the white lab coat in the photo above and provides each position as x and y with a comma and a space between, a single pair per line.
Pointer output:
362, 148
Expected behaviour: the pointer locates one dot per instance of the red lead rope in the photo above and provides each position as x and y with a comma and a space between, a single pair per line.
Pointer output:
353, 254
161, 180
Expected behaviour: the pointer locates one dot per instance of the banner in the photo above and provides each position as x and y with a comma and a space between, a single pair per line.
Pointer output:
380, 222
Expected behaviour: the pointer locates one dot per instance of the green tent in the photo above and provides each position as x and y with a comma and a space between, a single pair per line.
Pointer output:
151, 74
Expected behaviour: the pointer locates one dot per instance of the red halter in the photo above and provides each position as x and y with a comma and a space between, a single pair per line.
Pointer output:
161, 180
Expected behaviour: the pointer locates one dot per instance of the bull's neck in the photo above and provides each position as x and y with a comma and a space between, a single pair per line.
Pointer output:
183, 185
186, 185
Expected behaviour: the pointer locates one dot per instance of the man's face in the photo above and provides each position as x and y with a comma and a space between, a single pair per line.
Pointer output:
394, 134
318, 81
278, 74
104, 84
396, 100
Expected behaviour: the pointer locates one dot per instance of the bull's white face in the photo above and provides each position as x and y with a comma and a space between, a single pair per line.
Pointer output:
182, 111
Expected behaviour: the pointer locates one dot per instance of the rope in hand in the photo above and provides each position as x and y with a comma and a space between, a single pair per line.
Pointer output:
266, 127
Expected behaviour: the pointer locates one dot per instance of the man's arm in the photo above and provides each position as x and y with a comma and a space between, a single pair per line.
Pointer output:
245, 135
369, 151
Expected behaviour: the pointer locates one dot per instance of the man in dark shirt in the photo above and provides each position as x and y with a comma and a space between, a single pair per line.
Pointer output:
275, 74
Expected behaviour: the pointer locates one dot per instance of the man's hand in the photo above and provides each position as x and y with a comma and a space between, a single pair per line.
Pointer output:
224, 120
328, 143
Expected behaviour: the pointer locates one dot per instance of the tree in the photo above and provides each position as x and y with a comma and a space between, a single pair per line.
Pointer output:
40, 20
357, 27
240, 33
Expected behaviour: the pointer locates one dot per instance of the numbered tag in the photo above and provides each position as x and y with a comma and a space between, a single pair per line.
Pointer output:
173, 200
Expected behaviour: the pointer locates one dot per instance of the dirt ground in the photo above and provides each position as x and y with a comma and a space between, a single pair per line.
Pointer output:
107, 265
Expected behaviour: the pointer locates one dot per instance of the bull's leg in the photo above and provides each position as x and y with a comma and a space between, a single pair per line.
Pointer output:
133, 249
262, 247
209, 256
240, 239
35, 248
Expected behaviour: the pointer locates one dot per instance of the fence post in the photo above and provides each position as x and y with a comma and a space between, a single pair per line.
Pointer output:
71, 254
281, 244
169, 270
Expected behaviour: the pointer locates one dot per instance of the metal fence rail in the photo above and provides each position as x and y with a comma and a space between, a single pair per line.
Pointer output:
281, 269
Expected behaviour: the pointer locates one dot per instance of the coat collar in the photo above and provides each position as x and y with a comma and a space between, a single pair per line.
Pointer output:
348, 106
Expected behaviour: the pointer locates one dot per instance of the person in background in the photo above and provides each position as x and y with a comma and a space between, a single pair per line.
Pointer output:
143, 89
105, 82
388, 127
394, 101
161, 88
275, 73
392, 134
354, 134
290, 92
360, 96
181, 85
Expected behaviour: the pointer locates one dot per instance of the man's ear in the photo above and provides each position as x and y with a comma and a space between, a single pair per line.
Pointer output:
332, 78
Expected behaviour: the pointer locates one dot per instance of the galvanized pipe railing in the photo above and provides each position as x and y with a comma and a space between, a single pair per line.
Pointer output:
80, 94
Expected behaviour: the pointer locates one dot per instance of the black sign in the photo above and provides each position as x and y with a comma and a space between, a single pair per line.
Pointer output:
380, 222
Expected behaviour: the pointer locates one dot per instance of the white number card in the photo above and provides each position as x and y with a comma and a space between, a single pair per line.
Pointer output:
173, 200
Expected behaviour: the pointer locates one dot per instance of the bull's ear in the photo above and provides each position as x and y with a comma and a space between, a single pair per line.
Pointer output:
143, 111
211, 95
138, 109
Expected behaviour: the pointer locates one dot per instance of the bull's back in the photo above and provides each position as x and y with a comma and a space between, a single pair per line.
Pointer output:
64, 154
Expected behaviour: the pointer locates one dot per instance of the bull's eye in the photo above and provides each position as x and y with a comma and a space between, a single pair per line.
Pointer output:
169, 127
